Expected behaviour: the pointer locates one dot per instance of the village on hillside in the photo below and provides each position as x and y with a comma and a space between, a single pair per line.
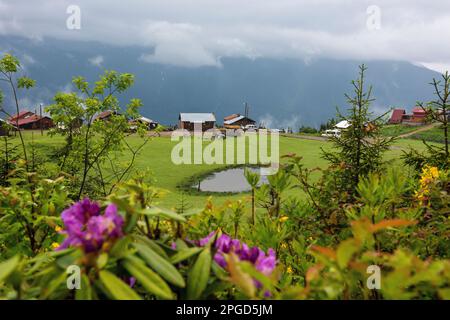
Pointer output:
28, 120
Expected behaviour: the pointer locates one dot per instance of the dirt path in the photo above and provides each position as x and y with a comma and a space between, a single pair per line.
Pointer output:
421, 129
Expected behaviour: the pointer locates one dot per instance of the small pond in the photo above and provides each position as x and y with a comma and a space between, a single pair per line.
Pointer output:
229, 180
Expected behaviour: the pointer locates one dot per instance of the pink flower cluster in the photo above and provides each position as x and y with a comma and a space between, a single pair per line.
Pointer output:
225, 244
87, 228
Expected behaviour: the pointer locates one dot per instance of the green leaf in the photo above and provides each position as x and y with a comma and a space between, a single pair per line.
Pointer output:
150, 280
69, 258
184, 254
120, 248
160, 265
55, 283
153, 245
7, 267
158, 212
262, 278
85, 291
345, 252
102, 260
199, 275
116, 287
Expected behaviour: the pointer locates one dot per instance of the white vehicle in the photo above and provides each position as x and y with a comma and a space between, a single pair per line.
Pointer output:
250, 127
275, 130
219, 135
332, 133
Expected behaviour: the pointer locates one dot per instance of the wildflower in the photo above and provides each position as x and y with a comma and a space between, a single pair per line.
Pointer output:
131, 281
428, 177
55, 245
87, 228
58, 229
284, 218
264, 263
289, 270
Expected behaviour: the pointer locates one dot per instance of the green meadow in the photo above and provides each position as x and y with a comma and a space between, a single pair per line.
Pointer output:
155, 157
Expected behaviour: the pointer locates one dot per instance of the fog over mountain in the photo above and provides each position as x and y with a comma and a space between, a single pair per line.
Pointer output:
281, 91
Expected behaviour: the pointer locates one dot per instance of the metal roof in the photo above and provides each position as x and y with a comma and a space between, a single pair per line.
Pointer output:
31, 119
232, 116
397, 115
20, 115
144, 119
418, 110
344, 124
231, 121
197, 117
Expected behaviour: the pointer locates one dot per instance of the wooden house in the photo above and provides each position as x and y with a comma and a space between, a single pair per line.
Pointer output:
189, 120
237, 121
28, 120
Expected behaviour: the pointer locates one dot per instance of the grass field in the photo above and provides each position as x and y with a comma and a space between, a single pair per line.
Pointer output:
394, 130
156, 157
432, 135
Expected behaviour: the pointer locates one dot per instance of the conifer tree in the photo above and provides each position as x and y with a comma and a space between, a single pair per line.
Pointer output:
359, 149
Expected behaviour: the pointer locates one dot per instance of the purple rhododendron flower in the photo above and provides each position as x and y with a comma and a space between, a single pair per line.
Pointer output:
225, 244
205, 240
131, 281
87, 228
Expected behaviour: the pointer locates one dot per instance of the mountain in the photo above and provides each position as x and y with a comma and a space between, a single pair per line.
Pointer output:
280, 93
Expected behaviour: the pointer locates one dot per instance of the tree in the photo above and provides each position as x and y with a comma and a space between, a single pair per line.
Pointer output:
438, 111
359, 149
90, 142
253, 180
8, 158
9, 68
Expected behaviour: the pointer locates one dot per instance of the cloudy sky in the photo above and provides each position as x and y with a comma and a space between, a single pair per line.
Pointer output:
196, 33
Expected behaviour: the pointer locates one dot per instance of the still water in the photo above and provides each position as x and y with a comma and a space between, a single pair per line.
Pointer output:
230, 180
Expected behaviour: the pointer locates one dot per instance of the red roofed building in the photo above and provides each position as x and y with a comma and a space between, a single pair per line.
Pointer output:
21, 115
397, 116
419, 113
417, 117
30, 121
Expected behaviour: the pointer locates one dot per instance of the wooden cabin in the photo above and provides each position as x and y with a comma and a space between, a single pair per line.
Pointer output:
28, 120
189, 120
237, 121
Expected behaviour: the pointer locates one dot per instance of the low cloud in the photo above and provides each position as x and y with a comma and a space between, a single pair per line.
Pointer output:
201, 33
96, 61
270, 122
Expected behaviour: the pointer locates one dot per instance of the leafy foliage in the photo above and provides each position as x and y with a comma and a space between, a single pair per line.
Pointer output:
360, 216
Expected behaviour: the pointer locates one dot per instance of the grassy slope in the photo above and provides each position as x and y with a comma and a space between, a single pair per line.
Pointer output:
156, 156
434, 135
395, 130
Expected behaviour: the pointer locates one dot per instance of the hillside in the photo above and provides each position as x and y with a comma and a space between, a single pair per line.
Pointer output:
281, 93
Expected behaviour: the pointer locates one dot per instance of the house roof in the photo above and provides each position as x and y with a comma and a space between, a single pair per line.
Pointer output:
104, 114
197, 117
233, 120
397, 115
344, 124
30, 119
147, 120
418, 110
232, 116
20, 115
